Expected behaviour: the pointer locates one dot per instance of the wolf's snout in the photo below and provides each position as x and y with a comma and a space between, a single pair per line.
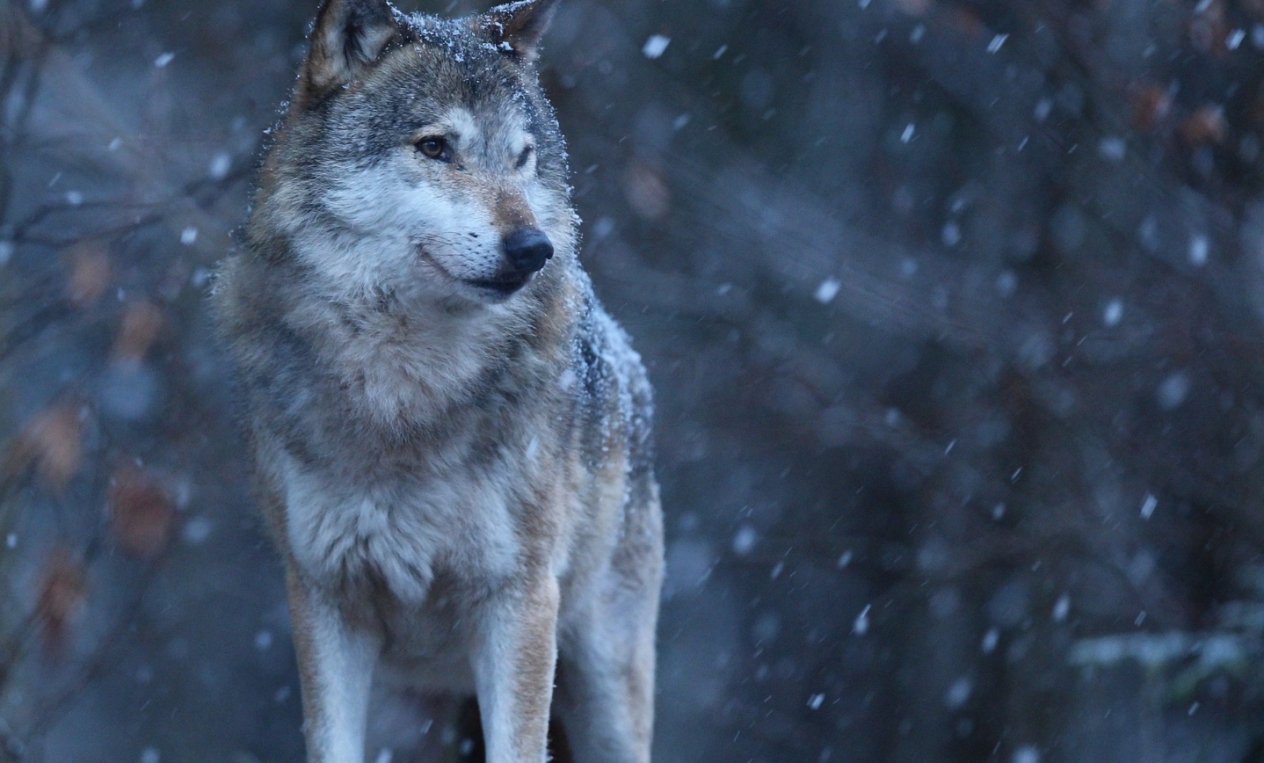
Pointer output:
527, 249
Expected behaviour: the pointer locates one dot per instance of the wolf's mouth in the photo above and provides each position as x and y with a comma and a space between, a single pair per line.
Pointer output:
505, 285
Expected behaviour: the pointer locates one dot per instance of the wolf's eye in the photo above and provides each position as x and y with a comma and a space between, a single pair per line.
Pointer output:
525, 156
433, 147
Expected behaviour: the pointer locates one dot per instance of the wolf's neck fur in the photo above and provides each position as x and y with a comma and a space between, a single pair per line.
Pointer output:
407, 360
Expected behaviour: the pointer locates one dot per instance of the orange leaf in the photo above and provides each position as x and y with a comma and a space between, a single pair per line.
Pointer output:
51, 440
142, 322
141, 511
63, 592
1151, 105
1206, 125
89, 275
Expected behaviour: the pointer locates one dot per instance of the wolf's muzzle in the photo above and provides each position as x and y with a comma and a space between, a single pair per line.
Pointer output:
527, 249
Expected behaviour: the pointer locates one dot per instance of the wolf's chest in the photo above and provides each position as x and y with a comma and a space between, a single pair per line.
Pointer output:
399, 533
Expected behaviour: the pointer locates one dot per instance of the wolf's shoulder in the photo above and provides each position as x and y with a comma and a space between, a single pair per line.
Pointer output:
248, 299
614, 384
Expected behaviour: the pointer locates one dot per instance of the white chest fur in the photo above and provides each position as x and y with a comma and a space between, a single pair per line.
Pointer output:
399, 531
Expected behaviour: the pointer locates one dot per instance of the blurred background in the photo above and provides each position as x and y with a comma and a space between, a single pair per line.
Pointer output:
953, 308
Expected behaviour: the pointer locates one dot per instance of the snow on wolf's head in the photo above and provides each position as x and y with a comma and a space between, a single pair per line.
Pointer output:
419, 156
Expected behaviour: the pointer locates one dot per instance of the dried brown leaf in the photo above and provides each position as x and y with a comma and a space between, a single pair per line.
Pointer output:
1208, 28
52, 442
646, 190
89, 276
1151, 106
141, 511
62, 594
142, 322
1206, 125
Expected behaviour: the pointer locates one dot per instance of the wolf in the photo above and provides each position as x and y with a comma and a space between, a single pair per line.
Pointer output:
451, 437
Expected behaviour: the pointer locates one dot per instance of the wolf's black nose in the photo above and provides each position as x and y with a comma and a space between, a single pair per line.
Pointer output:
527, 249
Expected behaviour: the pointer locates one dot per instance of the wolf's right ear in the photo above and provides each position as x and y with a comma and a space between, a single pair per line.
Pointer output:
517, 27
348, 38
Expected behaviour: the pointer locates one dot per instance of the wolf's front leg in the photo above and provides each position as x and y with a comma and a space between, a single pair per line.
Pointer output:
335, 665
513, 660
605, 676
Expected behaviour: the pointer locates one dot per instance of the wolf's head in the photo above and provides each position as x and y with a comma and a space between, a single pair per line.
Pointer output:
419, 156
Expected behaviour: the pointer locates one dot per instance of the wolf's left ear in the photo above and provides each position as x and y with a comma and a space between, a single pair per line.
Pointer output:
348, 37
517, 27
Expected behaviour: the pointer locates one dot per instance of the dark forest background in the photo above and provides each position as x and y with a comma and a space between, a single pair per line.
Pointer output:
954, 312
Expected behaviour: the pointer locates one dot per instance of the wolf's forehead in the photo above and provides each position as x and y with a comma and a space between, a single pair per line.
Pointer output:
485, 126
435, 78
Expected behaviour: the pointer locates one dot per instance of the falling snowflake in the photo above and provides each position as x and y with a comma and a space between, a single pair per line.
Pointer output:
990, 640
827, 290
745, 540
1061, 608
655, 46
1199, 248
220, 164
861, 626
1026, 754
1113, 313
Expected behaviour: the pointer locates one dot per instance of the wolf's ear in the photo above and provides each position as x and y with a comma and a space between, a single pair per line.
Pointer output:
517, 27
348, 37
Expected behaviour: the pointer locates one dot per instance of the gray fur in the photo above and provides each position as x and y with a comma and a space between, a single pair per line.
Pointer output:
459, 480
